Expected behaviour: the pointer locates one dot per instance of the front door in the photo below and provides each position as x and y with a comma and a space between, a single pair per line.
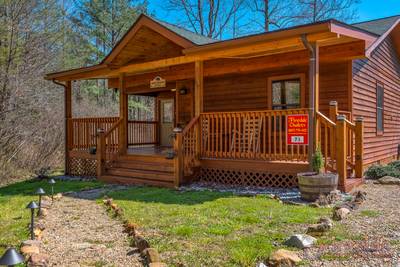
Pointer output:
166, 121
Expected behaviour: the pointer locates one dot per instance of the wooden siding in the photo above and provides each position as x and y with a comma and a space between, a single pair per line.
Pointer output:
383, 67
249, 91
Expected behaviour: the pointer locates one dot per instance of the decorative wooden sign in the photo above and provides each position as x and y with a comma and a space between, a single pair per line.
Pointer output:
158, 82
297, 129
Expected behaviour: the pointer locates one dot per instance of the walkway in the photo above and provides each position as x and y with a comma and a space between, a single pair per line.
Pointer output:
80, 233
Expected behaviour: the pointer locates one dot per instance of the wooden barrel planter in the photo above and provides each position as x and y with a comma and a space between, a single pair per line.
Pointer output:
312, 185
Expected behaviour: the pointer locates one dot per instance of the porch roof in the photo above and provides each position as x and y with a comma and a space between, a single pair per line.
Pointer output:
326, 33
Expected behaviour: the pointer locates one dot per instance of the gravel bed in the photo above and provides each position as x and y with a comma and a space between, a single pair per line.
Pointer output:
79, 232
286, 194
375, 231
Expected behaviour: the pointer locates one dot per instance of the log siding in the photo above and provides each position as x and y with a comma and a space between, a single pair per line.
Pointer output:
383, 67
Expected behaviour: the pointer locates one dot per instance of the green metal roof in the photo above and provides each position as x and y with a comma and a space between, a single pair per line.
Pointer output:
191, 36
377, 26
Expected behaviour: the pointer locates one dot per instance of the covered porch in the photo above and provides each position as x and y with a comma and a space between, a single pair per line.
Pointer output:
220, 110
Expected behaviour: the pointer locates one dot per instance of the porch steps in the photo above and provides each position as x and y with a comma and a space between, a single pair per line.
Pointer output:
153, 170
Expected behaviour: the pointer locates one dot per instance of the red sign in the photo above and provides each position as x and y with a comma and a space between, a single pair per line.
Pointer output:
297, 129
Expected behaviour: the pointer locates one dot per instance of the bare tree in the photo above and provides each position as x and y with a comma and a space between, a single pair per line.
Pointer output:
211, 18
318, 10
271, 13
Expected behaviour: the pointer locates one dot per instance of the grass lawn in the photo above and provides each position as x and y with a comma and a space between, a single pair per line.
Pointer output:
210, 228
14, 217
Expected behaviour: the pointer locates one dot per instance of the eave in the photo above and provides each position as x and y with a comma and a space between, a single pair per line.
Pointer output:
289, 40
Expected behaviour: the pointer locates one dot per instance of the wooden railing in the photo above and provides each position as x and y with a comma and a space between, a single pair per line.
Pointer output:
190, 143
259, 135
341, 143
108, 148
83, 131
142, 133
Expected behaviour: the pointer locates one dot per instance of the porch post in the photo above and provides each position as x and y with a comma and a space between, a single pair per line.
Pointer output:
123, 113
198, 99
341, 149
198, 87
67, 124
313, 96
359, 147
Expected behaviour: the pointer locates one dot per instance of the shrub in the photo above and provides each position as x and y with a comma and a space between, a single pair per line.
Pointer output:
317, 160
395, 164
379, 171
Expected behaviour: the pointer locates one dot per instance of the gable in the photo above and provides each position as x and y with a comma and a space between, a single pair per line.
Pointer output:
146, 45
147, 40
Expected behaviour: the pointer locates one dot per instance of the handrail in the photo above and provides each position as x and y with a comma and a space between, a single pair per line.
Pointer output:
190, 124
115, 125
325, 118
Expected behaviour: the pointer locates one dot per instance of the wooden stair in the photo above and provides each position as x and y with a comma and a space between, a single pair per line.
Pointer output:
153, 170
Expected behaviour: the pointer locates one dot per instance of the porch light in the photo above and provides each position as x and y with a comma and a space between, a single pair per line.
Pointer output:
11, 258
52, 182
40, 192
32, 206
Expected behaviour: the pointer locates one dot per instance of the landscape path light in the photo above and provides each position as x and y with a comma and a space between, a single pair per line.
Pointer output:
32, 206
11, 258
40, 192
52, 182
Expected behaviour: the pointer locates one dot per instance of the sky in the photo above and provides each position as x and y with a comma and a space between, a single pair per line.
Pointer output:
367, 9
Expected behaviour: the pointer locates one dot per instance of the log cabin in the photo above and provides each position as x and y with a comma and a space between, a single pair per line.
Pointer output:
221, 108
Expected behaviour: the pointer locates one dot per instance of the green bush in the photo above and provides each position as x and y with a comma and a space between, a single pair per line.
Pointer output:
318, 160
379, 171
395, 164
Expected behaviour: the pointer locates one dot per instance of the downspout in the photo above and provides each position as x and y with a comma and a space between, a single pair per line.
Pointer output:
66, 161
312, 87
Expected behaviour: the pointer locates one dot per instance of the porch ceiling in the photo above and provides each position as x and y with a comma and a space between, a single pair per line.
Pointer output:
326, 34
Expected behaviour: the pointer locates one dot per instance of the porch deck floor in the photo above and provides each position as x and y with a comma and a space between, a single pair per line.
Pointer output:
148, 150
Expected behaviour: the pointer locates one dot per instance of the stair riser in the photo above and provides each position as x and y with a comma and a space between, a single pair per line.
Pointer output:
145, 166
141, 175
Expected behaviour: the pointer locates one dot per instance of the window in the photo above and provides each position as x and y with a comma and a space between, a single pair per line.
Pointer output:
379, 109
286, 94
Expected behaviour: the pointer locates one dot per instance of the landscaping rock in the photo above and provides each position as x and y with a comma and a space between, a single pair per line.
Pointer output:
300, 241
29, 250
360, 197
325, 224
38, 260
37, 233
340, 214
331, 198
58, 196
43, 212
283, 257
389, 180
151, 255
130, 229
141, 243
46, 198
46, 204
33, 243
261, 264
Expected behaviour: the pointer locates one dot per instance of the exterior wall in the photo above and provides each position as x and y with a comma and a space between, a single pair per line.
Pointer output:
241, 92
383, 67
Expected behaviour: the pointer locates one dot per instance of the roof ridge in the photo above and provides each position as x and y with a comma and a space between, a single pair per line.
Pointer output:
371, 20
181, 28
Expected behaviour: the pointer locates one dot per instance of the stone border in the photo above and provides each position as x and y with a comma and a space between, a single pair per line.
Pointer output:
149, 254
30, 249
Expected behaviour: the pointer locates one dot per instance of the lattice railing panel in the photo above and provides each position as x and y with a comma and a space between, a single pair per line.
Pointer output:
82, 167
248, 178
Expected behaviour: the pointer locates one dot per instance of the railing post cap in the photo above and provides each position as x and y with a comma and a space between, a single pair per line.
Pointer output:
100, 131
177, 130
341, 117
359, 119
333, 103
